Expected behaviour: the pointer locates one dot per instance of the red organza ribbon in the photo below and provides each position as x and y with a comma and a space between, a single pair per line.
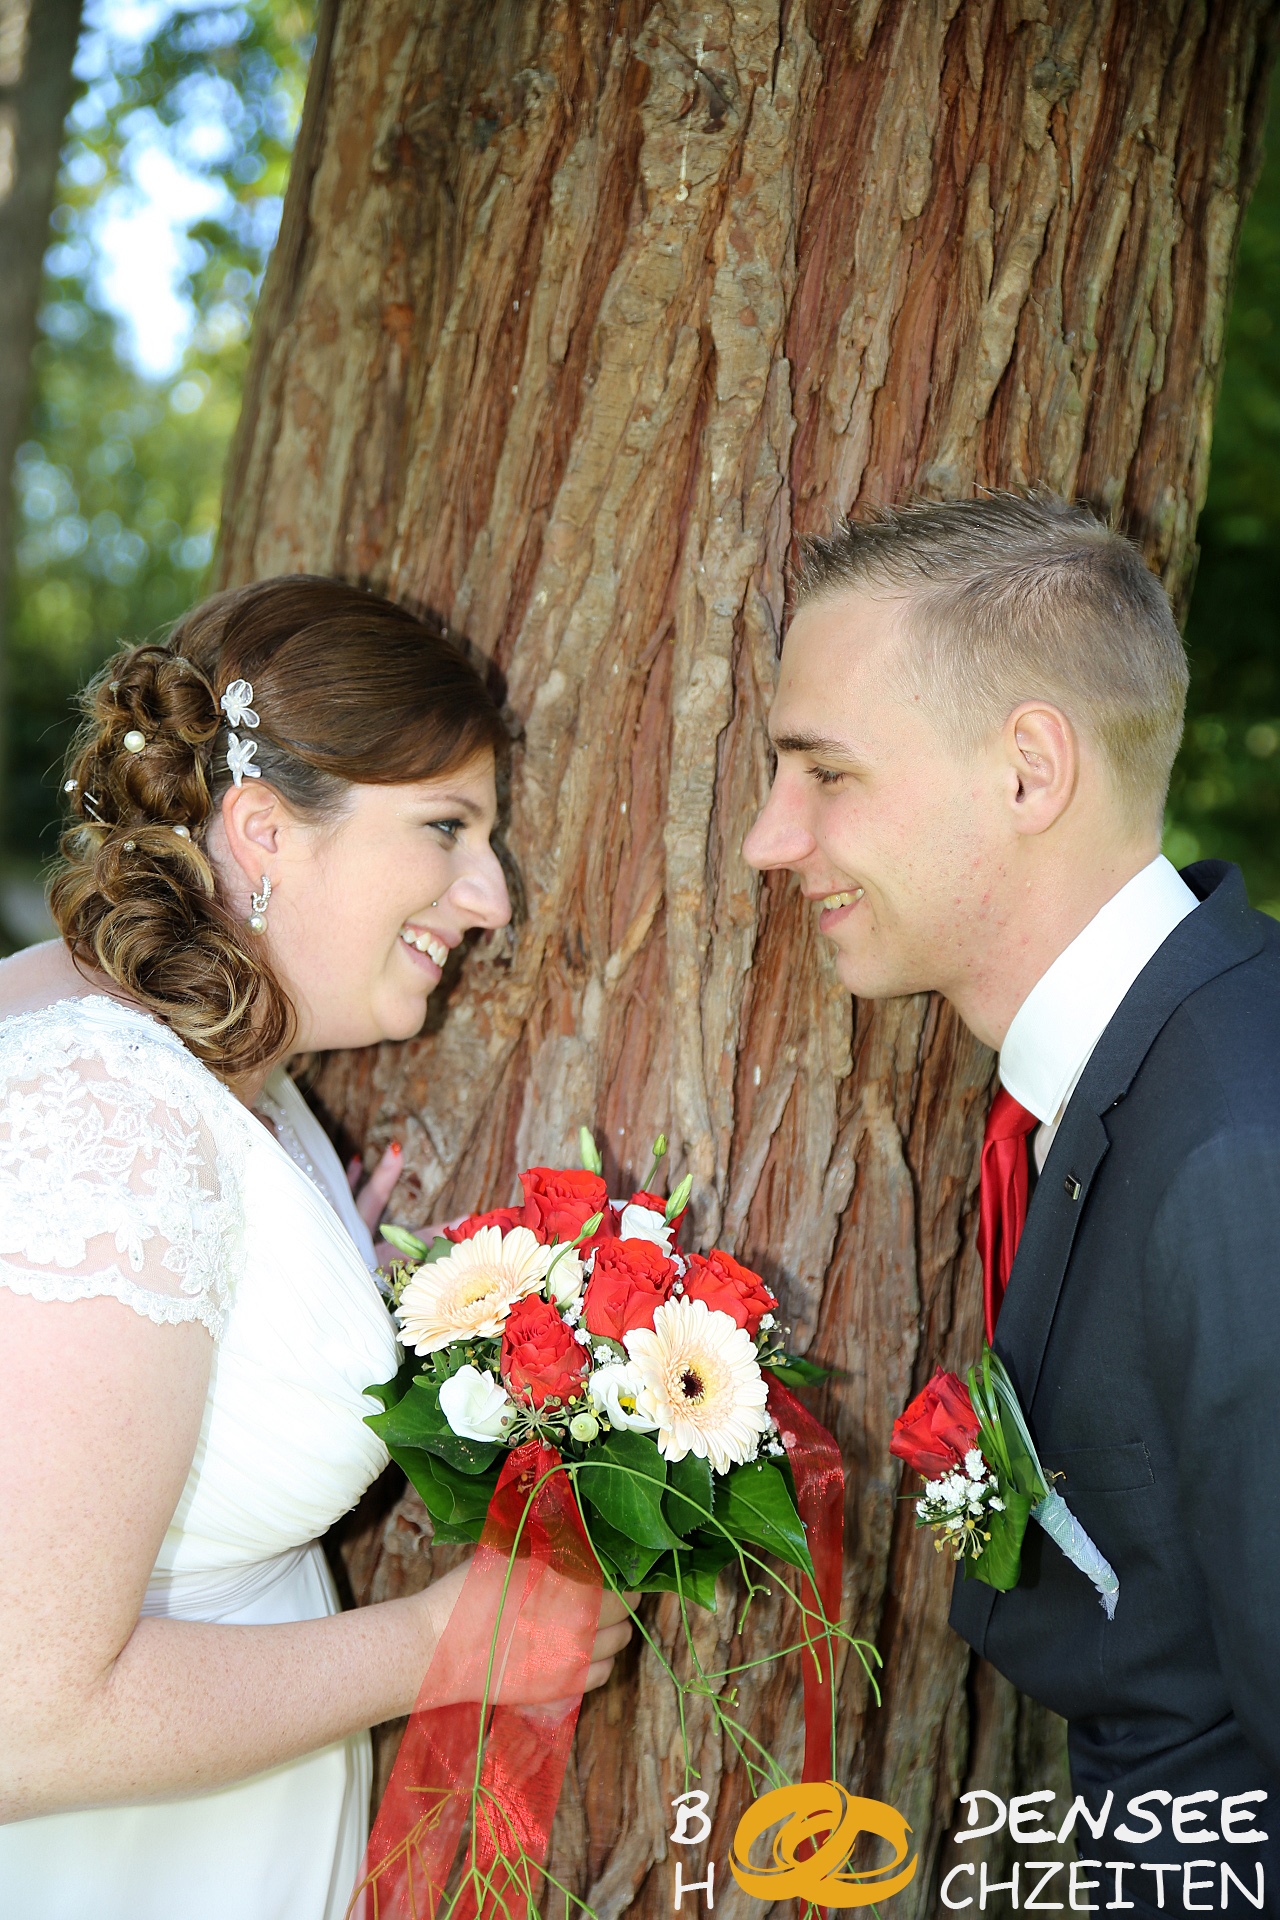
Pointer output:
818, 1471
531, 1604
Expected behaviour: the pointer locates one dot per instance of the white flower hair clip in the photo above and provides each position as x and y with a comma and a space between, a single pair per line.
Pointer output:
239, 754
236, 703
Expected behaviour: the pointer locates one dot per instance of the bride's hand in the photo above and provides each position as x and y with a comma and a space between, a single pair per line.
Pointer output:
372, 1197
613, 1630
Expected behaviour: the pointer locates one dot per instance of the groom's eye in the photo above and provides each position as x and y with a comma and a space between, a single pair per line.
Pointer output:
826, 776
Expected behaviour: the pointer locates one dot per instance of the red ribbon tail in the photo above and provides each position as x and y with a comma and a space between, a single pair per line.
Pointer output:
520, 1634
818, 1472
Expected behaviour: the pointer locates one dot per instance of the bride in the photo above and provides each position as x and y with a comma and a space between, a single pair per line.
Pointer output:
281, 827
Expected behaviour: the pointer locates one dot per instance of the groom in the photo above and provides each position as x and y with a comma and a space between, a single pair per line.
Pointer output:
977, 712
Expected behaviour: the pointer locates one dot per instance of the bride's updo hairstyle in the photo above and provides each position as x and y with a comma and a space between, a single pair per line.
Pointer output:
349, 689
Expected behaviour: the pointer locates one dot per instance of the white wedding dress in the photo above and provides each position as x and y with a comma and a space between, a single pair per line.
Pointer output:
128, 1170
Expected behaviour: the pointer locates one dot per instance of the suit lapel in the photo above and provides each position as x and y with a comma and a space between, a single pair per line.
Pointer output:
1222, 932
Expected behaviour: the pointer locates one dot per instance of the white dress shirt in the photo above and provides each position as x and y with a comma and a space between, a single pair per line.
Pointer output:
1060, 1022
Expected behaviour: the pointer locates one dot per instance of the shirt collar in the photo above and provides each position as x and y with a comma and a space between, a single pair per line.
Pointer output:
1065, 1014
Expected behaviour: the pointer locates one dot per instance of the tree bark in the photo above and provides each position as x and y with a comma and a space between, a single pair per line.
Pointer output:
583, 311
37, 47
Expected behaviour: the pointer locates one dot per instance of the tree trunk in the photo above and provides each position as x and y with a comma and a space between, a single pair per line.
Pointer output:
37, 46
582, 311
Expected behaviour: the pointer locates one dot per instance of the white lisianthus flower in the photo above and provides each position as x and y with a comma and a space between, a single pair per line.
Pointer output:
617, 1391
703, 1382
476, 1406
469, 1293
565, 1278
644, 1223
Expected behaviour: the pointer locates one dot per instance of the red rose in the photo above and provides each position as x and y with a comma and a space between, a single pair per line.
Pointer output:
630, 1278
659, 1205
937, 1429
504, 1218
728, 1288
540, 1356
558, 1203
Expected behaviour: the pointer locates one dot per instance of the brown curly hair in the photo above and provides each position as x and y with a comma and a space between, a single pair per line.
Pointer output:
349, 688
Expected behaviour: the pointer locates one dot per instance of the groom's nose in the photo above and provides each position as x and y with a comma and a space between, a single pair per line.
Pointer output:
780, 836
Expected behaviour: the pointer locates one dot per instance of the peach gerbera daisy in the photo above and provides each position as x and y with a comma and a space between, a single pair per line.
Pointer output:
701, 1382
468, 1294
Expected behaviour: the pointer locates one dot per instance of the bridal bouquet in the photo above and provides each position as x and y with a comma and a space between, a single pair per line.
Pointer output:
574, 1319
593, 1406
984, 1481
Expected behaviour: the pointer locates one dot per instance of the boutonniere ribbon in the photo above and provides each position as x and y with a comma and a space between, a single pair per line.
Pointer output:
984, 1481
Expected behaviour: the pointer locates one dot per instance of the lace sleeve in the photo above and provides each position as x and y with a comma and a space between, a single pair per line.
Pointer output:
112, 1179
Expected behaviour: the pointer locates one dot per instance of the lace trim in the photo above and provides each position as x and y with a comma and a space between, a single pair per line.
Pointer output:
120, 1153
166, 1309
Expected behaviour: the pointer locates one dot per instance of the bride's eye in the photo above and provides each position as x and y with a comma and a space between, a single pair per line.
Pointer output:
449, 828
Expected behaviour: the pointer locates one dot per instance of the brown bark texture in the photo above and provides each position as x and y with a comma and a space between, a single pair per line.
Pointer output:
583, 311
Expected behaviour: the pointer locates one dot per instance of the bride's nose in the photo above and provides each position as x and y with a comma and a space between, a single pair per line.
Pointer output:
480, 893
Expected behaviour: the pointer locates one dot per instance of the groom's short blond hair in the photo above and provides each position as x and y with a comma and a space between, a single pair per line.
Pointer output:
1019, 596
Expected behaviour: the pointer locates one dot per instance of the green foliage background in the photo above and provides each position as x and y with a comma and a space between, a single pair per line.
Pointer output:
118, 482
1225, 798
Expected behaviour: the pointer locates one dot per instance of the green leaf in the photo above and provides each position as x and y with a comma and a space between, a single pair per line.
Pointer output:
630, 1561
794, 1371
458, 1499
999, 1563
388, 1392
418, 1421
752, 1502
404, 1242
699, 1566
624, 1479
590, 1153
691, 1477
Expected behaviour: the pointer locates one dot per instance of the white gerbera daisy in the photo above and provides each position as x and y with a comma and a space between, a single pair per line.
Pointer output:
702, 1383
468, 1294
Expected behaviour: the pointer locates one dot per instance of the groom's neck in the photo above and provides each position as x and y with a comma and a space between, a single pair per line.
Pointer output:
1046, 907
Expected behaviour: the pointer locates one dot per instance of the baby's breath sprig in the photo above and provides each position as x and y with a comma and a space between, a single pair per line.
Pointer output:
958, 1503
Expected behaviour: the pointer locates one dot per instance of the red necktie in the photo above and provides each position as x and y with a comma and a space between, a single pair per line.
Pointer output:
1003, 1190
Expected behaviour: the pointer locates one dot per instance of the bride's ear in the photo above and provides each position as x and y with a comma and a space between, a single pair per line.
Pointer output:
254, 823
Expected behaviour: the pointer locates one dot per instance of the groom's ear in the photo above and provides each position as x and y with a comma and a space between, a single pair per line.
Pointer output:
1042, 756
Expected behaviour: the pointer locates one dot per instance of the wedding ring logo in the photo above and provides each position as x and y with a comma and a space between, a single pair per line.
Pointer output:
801, 1814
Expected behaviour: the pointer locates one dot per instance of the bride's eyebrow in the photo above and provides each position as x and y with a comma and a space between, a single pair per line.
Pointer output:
456, 800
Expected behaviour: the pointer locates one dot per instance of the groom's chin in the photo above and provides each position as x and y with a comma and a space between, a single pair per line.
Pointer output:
873, 976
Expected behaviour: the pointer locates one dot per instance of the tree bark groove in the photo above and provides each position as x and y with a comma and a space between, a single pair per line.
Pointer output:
583, 312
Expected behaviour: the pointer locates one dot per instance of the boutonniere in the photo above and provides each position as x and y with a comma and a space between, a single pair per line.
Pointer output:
984, 1481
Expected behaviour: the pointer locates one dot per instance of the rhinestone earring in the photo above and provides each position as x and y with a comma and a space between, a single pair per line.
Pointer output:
258, 901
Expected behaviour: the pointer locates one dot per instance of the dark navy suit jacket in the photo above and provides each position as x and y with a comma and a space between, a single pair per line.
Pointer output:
1141, 1328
